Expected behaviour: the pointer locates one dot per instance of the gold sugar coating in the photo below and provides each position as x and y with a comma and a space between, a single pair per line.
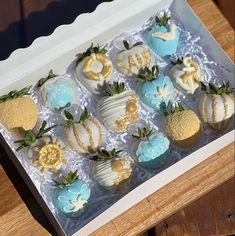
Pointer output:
50, 156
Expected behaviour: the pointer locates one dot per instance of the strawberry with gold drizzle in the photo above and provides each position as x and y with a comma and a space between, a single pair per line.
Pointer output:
217, 105
85, 135
111, 168
119, 108
133, 58
186, 74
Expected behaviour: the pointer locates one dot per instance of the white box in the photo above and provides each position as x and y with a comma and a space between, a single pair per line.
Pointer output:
57, 51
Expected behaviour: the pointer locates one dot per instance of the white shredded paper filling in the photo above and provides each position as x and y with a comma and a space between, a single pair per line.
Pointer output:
191, 44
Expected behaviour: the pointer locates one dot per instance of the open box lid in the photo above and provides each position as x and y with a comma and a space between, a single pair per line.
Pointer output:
107, 21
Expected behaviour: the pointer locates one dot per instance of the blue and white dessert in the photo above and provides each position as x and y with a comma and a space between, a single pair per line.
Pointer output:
72, 196
58, 92
163, 38
151, 148
154, 90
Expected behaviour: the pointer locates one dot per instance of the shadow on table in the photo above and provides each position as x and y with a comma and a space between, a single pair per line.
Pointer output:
24, 192
22, 34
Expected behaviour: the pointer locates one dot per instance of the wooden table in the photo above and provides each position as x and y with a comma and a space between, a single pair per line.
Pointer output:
16, 218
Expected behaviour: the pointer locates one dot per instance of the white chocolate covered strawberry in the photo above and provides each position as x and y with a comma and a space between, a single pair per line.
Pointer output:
94, 67
133, 58
119, 108
111, 168
217, 106
83, 136
58, 91
186, 74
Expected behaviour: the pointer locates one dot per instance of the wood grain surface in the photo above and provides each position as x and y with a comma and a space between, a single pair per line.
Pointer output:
228, 9
20, 214
15, 218
213, 214
175, 196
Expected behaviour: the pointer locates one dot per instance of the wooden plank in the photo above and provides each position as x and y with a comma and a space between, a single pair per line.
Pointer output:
177, 194
207, 216
109, 227
12, 197
228, 9
19, 222
191, 189
136, 218
10, 201
216, 24
15, 217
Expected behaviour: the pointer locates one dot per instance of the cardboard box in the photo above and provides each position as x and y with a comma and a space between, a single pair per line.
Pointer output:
57, 51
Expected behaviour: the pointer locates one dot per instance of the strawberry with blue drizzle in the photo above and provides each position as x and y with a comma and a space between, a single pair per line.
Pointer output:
72, 195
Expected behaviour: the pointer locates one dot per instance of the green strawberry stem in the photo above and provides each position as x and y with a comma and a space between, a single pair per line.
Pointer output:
44, 80
128, 47
146, 74
16, 94
178, 61
142, 133
112, 89
70, 178
170, 109
223, 89
104, 155
70, 119
30, 137
162, 21
89, 51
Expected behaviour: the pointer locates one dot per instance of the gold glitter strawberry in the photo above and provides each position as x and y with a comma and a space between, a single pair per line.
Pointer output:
50, 156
